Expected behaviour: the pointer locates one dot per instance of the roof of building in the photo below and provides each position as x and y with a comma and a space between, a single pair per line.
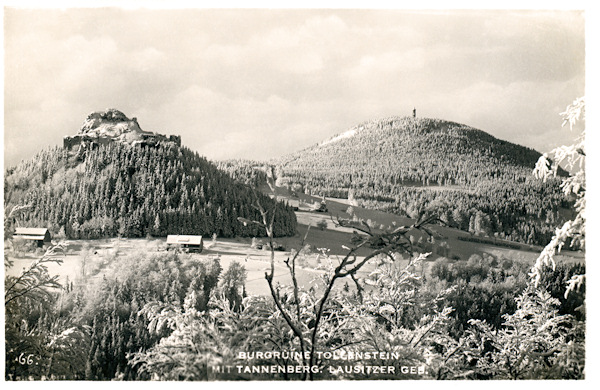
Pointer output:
184, 240
21, 231
36, 238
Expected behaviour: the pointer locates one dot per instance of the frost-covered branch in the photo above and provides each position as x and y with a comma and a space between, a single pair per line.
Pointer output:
572, 157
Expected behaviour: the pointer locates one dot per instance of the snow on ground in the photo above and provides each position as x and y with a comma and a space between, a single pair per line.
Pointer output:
347, 134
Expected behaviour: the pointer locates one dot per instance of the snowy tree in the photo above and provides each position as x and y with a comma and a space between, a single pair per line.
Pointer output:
572, 157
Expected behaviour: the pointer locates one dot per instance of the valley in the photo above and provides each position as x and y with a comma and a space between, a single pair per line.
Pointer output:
126, 305
100, 255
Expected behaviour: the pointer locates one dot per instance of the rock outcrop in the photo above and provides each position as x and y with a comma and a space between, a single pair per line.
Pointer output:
101, 128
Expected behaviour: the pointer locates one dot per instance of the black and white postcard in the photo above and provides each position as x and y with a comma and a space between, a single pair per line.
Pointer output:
266, 194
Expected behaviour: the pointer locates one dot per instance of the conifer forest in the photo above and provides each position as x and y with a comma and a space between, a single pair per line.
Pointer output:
466, 282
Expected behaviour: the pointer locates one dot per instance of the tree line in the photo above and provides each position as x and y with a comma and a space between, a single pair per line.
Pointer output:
133, 191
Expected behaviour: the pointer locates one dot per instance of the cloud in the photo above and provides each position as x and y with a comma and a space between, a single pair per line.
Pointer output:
266, 82
35, 126
146, 59
390, 63
209, 120
525, 112
300, 50
51, 86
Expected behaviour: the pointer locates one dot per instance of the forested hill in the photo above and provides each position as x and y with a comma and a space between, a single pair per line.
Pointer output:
133, 191
404, 165
409, 151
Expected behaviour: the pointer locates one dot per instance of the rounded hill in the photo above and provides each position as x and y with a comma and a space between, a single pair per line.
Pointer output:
412, 151
407, 165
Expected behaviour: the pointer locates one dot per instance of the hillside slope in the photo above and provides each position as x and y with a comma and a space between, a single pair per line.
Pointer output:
132, 189
409, 151
473, 180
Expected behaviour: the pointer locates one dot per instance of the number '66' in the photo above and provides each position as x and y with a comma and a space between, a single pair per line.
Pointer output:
29, 360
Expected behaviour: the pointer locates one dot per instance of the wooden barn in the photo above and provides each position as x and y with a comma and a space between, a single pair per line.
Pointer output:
188, 243
40, 235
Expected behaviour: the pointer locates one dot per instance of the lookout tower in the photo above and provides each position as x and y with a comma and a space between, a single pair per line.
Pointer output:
414, 112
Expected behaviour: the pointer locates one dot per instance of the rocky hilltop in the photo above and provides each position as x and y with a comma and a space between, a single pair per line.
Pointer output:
111, 125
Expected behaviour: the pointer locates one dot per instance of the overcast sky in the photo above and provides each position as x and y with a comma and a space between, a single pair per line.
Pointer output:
261, 83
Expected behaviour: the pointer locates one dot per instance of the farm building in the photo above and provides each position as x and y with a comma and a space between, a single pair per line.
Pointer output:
40, 235
191, 243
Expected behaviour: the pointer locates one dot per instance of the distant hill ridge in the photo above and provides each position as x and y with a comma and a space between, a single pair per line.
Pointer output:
111, 125
403, 134
406, 165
